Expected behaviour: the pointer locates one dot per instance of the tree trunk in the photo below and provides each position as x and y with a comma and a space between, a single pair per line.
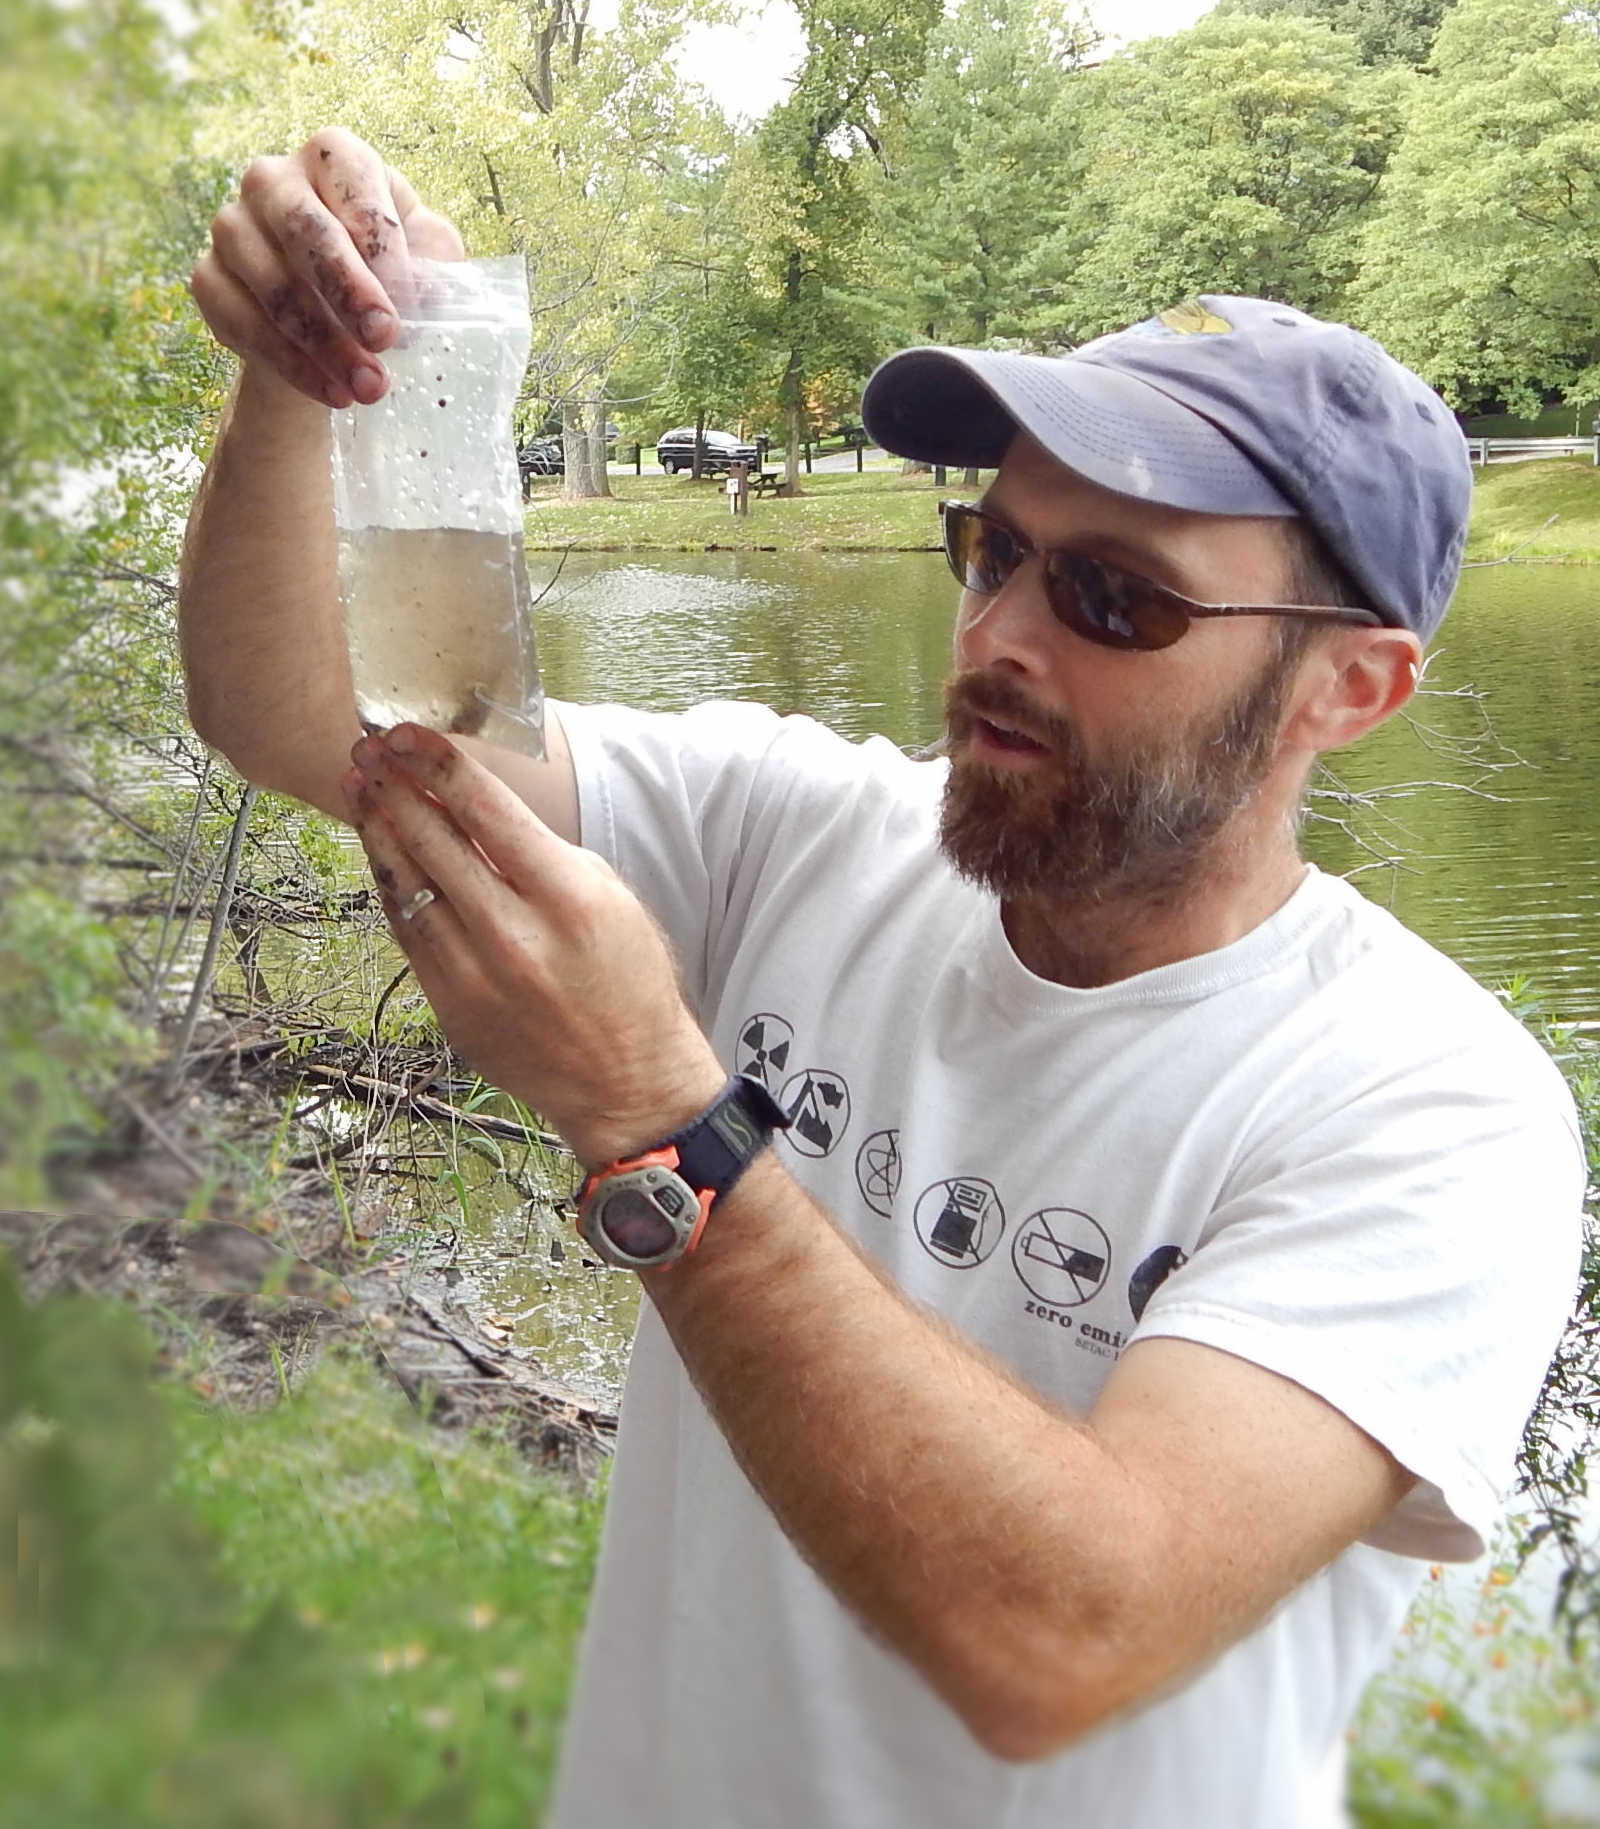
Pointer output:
578, 484
795, 435
792, 390
599, 481
969, 477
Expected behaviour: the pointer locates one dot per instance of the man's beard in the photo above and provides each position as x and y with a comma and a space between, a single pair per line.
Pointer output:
1137, 822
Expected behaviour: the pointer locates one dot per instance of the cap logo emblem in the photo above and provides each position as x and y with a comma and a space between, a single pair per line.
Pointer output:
1192, 319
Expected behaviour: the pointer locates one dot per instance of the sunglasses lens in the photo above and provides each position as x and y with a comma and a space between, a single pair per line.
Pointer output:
1118, 609
981, 553
1100, 602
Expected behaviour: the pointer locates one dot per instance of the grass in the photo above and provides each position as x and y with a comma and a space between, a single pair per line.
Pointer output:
1553, 422
882, 511
1513, 503
877, 511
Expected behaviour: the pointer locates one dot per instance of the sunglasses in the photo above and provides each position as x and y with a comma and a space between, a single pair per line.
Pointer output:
1102, 603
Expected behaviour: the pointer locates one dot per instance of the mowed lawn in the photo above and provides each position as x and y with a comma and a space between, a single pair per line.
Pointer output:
1547, 509
877, 511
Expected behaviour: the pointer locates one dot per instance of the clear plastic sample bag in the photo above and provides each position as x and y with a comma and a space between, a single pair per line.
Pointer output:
428, 503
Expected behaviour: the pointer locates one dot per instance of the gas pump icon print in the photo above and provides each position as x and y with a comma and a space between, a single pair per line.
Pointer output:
960, 1220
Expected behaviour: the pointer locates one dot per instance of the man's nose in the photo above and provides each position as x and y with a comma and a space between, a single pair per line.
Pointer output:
1014, 630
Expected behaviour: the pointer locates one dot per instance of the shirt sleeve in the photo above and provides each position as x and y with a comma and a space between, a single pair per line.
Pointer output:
1410, 1255
693, 809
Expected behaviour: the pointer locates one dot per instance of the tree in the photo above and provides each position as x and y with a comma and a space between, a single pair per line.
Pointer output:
981, 167
709, 359
1482, 268
804, 206
1238, 156
1384, 31
536, 132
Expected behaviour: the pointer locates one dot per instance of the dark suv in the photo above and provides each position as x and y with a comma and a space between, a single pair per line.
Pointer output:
719, 451
540, 457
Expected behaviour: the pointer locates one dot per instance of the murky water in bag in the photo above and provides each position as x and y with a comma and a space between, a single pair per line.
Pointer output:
438, 623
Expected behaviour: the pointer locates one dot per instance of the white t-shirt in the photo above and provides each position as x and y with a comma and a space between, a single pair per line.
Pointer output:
1323, 1149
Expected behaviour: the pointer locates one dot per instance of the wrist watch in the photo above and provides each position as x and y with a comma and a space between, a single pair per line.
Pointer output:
649, 1210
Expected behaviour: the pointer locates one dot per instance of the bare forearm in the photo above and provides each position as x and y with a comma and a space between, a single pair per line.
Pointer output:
987, 1538
259, 621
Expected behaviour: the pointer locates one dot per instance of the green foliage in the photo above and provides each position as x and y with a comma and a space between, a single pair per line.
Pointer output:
301, 1617
1235, 157
982, 165
804, 207
1384, 31
64, 1036
1476, 1717
1479, 267
535, 132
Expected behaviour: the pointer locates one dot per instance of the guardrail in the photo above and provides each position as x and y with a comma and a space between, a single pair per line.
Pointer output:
1503, 450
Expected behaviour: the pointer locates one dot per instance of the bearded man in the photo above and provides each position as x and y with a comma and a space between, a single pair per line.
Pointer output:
1077, 1310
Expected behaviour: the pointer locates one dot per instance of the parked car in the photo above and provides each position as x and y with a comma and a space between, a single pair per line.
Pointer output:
720, 451
541, 457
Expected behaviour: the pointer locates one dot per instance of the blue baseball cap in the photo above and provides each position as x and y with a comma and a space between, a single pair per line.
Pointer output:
1222, 405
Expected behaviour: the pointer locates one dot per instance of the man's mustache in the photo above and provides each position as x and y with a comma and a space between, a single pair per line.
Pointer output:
972, 695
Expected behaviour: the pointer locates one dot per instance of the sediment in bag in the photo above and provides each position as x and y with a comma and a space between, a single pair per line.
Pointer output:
438, 620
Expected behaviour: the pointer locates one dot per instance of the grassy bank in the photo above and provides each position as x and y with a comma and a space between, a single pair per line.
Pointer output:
883, 511
1544, 510
878, 511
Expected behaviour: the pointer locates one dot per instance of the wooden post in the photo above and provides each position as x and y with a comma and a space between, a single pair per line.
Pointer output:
739, 489
638, 460
808, 457
859, 448
938, 476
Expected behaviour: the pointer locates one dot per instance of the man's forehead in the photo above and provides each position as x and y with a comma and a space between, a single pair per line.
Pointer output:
1055, 505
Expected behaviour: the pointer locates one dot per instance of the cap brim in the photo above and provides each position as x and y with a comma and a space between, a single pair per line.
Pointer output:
962, 407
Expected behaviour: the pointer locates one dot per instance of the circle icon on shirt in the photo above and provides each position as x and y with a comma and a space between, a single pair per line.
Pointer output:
763, 1051
959, 1220
878, 1171
1151, 1274
818, 1104
1062, 1256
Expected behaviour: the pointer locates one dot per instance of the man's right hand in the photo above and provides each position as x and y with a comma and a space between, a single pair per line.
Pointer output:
293, 278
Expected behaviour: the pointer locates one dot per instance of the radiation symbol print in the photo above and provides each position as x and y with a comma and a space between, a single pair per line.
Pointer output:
1062, 1256
763, 1053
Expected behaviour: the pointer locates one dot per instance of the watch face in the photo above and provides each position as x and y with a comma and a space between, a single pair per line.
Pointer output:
641, 1225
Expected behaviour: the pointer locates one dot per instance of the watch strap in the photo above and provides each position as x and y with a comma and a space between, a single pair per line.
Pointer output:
716, 1148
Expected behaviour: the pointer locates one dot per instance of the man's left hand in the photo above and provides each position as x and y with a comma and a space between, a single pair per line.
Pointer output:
544, 969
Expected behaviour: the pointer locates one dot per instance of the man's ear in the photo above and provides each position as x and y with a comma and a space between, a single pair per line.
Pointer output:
1351, 683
